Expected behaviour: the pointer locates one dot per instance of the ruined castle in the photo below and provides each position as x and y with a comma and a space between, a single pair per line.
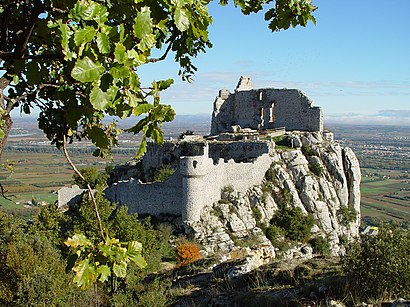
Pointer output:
237, 154
218, 184
265, 108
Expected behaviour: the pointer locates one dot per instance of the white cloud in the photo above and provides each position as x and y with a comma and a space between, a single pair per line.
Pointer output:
383, 117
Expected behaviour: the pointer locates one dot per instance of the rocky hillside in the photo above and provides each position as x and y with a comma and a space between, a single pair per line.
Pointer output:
309, 198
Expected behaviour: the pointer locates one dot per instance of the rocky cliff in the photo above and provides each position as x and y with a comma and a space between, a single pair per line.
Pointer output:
317, 175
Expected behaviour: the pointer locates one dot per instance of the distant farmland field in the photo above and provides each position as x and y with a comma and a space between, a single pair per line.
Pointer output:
38, 176
385, 195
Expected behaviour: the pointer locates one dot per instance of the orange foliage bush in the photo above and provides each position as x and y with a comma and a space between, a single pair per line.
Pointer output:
187, 252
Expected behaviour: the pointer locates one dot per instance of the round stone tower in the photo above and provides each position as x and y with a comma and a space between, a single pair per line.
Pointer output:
193, 170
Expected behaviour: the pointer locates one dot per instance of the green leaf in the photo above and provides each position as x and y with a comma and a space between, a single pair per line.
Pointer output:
84, 35
169, 113
103, 43
157, 134
139, 261
147, 42
86, 274
65, 38
143, 147
104, 271
106, 250
120, 53
133, 100
138, 58
139, 126
135, 82
100, 14
143, 23
85, 70
181, 19
120, 270
91, 10
100, 99
98, 137
16, 79
134, 247
141, 108
164, 84
33, 76
120, 72
77, 11
78, 240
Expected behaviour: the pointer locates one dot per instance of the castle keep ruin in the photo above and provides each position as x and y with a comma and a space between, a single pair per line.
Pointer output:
265, 108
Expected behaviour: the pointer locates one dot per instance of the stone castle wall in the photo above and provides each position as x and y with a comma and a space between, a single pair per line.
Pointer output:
265, 108
203, 180
149, 198
198, 182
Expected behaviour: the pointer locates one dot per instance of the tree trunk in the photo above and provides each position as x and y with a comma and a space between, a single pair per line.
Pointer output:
6, 108
8, 122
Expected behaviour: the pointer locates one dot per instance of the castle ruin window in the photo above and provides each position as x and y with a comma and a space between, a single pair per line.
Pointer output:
262, 117
195, 163
272, 116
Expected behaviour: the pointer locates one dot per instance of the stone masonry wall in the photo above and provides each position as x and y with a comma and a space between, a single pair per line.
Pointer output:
149, 198
203, 181
198, 182
266, 108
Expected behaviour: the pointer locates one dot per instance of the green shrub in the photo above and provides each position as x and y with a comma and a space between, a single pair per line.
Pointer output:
156, 293
280, 140
316, 169
308, 151
302, 273
256, 214
320, 246
92, 176
228, 189
378, 267
347, 215
270, 174
163, 173
296, 225
283, 198
275, 234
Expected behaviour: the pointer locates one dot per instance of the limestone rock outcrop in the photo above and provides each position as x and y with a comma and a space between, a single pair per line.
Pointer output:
321, 178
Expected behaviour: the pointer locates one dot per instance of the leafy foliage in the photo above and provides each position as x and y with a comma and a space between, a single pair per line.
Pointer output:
275, 234
32, 268
33, 257
378, 267
270, 174
102, 261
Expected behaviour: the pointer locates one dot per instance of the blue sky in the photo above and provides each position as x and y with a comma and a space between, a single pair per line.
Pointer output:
354, 63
